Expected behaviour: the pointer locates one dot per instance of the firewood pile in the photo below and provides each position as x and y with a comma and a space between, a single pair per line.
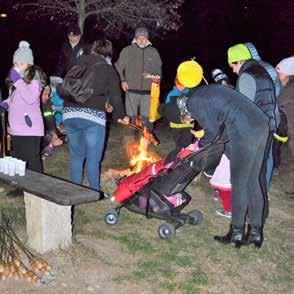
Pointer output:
16, 260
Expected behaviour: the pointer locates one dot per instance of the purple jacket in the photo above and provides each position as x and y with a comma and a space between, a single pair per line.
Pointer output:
25, 99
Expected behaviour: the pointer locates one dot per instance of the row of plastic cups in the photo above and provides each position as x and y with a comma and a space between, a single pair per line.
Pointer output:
12, 166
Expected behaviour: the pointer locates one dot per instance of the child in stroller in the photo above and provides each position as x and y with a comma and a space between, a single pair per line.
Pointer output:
158, 191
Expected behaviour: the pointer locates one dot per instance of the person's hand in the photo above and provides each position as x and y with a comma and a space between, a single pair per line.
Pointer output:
125, 120
125, 86
156, 79
109, 108
56, 141
190, 147
14, 76
198, 134
4, 105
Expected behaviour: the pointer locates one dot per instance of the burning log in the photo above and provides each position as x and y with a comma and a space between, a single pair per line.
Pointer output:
14, 256
115, 174
139, 158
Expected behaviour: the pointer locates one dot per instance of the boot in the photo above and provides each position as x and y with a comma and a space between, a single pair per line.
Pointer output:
235, 235
254, 236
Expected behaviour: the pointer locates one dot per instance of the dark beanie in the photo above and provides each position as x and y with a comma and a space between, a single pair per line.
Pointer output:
73, 30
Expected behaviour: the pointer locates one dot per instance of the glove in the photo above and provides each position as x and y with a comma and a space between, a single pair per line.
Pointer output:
198, 134
4, 105
220, 77
14, 76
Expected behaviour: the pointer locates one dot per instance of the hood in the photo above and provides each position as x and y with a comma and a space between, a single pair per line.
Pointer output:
253, 51
148, 43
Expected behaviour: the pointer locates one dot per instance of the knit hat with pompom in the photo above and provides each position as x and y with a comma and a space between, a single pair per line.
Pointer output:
23, 54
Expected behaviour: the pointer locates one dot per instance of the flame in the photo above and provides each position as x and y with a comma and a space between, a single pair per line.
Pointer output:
150, 137
140, 156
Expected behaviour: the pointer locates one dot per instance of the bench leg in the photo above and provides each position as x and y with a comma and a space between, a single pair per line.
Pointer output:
48, 224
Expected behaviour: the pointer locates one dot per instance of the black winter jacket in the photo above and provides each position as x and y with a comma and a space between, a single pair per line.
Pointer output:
68, 57
106, 87
255, 80
217, 105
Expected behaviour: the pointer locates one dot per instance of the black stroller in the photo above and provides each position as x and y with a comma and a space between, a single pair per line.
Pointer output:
153, 199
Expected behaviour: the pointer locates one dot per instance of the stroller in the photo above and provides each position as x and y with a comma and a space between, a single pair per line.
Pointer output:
158, 192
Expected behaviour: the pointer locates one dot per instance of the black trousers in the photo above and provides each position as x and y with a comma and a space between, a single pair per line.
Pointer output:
248, 178
27, 148
182, 137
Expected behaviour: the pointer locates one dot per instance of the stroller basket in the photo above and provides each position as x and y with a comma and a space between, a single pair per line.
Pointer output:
153, 204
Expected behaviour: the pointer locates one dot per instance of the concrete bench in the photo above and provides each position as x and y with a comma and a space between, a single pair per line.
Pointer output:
48, 202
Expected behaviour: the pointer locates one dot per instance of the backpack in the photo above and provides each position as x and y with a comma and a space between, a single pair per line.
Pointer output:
78, 82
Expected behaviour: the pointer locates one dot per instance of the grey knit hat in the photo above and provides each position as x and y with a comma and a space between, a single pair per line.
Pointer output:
286, 66
23, 53
141, 32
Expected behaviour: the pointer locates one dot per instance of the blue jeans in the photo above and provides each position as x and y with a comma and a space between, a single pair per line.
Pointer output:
86, 142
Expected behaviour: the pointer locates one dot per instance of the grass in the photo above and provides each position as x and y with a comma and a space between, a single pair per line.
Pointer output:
192, 262
13, 208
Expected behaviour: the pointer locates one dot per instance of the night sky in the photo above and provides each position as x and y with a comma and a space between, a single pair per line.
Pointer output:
209, 28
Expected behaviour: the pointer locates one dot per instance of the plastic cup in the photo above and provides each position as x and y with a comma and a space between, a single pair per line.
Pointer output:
21, 168
15, 160
11, 168
6, 166
1, 165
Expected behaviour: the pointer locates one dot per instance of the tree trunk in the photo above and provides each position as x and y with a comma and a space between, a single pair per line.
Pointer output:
82, 15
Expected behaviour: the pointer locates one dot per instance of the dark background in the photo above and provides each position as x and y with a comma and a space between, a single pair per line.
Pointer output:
209, 28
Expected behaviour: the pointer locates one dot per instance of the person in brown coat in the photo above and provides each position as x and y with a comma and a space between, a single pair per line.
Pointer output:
285, 69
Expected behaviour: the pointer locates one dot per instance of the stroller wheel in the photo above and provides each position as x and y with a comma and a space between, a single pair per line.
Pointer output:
196, 217
166, 231
111, 217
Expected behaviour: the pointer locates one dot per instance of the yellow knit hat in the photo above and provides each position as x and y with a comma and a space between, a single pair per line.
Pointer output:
189, 73
238, 52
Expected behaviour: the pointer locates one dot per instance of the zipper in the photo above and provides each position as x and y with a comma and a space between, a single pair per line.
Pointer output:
142, 68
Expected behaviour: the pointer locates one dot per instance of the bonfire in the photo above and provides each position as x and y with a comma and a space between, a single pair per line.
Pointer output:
139, 156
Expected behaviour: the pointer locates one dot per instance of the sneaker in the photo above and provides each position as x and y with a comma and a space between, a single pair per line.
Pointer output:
48, 150
226, 214
208, 174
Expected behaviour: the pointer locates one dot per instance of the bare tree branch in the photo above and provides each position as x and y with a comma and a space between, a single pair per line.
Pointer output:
115, 15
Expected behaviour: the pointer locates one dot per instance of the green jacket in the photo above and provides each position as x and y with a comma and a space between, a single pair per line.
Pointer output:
133, 62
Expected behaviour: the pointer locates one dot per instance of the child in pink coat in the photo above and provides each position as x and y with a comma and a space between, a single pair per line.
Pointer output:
221, 183
25, 119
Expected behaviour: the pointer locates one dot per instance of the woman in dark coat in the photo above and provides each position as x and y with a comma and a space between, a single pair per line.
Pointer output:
85, 122
246, 128
285, 70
